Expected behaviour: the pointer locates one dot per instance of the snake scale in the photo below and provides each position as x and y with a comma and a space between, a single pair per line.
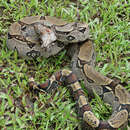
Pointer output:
36, 36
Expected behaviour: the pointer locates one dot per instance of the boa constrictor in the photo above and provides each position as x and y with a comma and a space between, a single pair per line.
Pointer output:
45, 36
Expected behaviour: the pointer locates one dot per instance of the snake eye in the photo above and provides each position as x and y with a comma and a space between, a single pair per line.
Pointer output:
70, 38
81, 29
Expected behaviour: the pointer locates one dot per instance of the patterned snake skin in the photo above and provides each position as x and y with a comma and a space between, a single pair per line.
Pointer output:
45, 36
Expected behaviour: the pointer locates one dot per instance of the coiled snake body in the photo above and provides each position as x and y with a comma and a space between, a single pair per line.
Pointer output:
45, 36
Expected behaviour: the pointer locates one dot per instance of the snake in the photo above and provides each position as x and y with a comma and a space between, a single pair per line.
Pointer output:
37, 36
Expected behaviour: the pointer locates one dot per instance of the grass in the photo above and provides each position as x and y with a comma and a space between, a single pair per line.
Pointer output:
22, 109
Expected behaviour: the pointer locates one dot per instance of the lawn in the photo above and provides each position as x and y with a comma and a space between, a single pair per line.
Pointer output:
21, 108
